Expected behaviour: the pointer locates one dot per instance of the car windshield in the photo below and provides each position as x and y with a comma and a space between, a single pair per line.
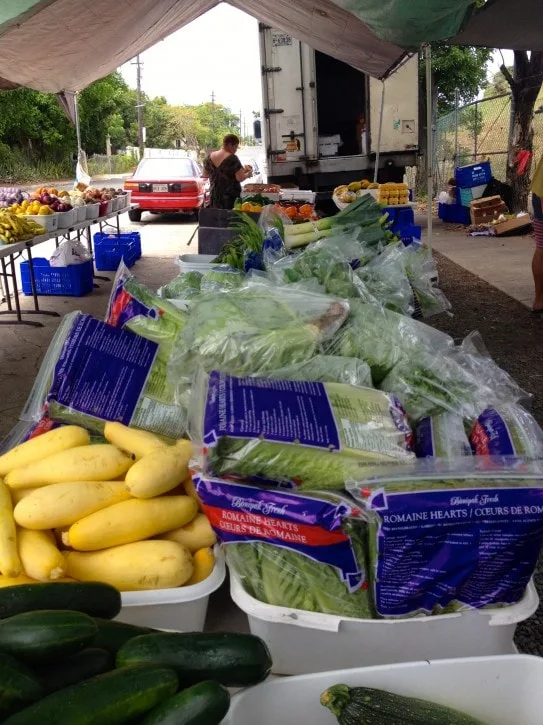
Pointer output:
151, 169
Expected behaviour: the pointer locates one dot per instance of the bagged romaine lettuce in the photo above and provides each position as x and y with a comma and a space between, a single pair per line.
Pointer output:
221, 278
421, 270
447, 536
386, 280
327, 369
383, 338
507, 430
183, 287
94, 372
252, 331
441, 436
312, 435
290, 550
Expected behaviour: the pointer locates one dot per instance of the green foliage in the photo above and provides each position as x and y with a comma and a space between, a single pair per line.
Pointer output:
472, 120
498, 84
455, 67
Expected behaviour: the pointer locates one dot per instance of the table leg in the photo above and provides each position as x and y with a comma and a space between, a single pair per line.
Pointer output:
9, 311
36, 310
89, 245
6, 285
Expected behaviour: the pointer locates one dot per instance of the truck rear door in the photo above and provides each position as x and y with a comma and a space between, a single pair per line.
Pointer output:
288, 91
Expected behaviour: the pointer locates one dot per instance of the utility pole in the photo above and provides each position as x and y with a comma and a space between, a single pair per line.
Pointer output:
139, 106
240, 125
212, 119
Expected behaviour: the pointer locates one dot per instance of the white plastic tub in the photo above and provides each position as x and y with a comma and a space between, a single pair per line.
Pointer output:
48, 221
66, 218
497, 690
80, 213
197, 262
93, 211
182, 609
302, 642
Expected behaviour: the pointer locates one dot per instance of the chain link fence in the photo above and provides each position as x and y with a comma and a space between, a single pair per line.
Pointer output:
478, 131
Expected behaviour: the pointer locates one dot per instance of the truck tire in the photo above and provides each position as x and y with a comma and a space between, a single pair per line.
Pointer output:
135, 215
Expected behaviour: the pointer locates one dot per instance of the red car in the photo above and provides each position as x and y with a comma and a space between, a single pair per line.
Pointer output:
167, 185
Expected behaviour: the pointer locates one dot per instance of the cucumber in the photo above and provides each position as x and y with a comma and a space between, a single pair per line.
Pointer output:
46, 636
110, 699
92, 598
18, 685
233, 660
203, 704
82, 666
356, 705
112, 634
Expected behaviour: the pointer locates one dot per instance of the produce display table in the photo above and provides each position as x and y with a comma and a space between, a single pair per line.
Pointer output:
9, 253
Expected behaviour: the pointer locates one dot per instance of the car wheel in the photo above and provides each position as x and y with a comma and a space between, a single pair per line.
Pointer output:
135, 215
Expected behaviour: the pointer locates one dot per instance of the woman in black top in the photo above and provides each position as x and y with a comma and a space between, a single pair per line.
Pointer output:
225, 173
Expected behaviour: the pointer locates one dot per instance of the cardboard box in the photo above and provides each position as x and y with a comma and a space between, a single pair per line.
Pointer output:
487, 209
512, 225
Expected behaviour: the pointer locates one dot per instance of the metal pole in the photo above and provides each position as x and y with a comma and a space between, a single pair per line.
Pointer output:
476, 131
77, 126
378, 152
456, 102
140, 107
212, 119
429, 139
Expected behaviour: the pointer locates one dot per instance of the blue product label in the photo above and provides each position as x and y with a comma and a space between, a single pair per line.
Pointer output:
102, 370
474, 547
424, 439
274, 410
123, 307
308, 526
490, 435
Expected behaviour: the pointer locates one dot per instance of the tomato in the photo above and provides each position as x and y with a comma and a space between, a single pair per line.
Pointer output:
306, 210
291, 211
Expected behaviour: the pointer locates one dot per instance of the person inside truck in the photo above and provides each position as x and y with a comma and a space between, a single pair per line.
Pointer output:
225, 173
537, 261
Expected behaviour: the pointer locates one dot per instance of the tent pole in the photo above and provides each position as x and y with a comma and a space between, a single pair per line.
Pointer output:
429, 139
77, 127
376, 170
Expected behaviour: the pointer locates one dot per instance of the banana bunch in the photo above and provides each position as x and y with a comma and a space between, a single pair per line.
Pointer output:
17, 229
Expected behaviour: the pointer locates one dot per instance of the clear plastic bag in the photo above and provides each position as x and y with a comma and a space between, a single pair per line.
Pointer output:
421, 270
291, 550
441, 436
185, 286
448, 536
93, 372
306, 434
383, 338
328, 369
507, 430
221, 279
386, 280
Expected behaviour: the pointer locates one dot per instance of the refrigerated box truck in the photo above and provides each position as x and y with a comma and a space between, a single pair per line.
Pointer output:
320, 121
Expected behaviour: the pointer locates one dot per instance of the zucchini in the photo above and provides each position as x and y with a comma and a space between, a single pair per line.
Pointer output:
92, 598
46, 636
203, 704
233, 660
18, 685
353, 706
88, 663
110, 699
113, 634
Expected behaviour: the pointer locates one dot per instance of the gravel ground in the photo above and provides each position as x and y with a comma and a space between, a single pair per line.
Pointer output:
514, 338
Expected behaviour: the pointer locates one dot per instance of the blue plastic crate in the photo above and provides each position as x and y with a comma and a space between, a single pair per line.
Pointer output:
454, 214
111, 249
409, 233
473, 175
399, 217
75, 280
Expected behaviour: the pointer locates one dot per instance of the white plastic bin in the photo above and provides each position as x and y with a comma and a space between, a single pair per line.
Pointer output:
81, 213
197, 262
93, 211
497, 690
302, 642
182, 609
66, 218
48, 221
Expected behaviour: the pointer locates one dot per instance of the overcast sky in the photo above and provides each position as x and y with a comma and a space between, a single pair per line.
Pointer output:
217, 52
183, 67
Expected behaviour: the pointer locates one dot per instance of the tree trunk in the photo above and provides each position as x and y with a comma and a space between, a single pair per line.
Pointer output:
525, 87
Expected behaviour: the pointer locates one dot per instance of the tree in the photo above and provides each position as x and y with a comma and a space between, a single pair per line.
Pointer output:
498, 84
454, 69
472, 119
525, 83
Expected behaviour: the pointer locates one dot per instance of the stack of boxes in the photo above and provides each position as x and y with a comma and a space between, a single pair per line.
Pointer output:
471, 182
